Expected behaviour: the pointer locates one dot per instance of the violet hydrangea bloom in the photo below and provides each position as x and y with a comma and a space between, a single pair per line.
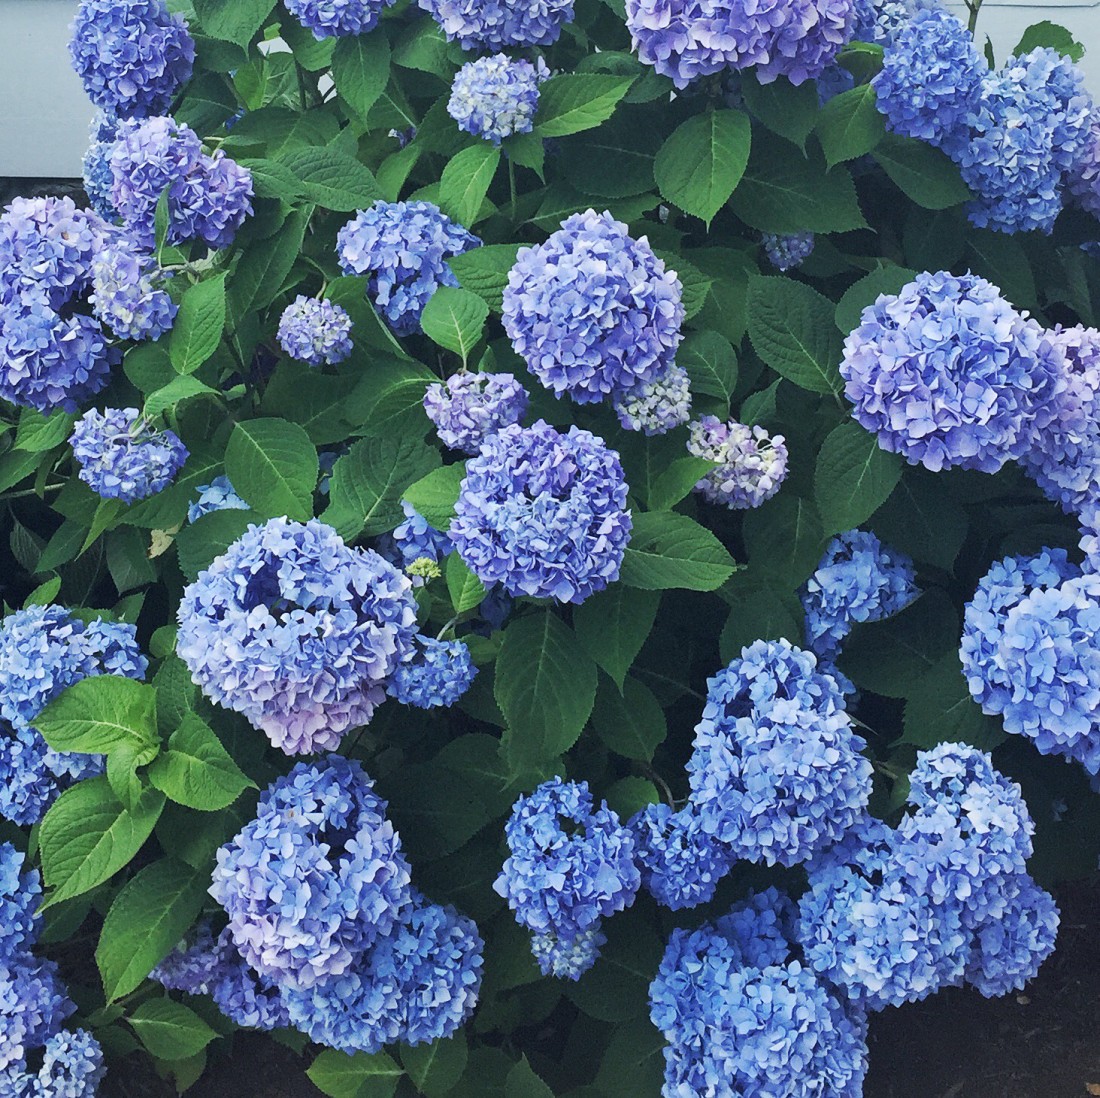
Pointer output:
807, 39
437, 675
543, 514
497, 24
218, 495
317, 878
296, 631
681, 863
495, 97
337, 18
656, 407
125, 295
787, 251
315, 331
947, 373
131, 55
751, 464
122, 457
592, 311
1083, 178
468, 407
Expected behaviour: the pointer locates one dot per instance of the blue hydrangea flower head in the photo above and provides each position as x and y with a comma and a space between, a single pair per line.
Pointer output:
751, 464
791, 250
72, 1067
858, 579
592, 311
316, 878
568, 958
337, 18
242, 994
881, 20
192, 964
1089, 520
947, 373
495, 97
315, 331
20, 894
543, 514
218, 495
403, 248
498, 24
27, 786
98, 179
132, 56
468, 407
437, 675
655, 407
1083, 179
680, 862
804, 37
33, 1005
125, 295
931, 80
121, 456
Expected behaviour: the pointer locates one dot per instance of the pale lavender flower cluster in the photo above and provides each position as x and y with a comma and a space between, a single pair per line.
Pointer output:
315, 331
218, 495
403, 248
498, 24
787, 251
656, 407
468, 407
122, 456
337, 18
131, 55
592, 311
495, 97
947, 373
543, 514
437, 675
125, 295
297, 632
751, 464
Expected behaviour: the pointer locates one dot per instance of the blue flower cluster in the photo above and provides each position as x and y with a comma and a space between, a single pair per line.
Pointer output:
121, 456
680, 861
751, 464
315, 331
98, 180
592, 311
1083, 178
776, 770
686, 39
543, 514
337, 18
124, 291
209, 197
51, 355
570, 865
497, 24
1030, 653
438, 674
44, 650
1089, 525
947, 373
468, 407
297, 632
403, 248
858, 579
131, 55
785, 252
218, 495
413, 543
33, 1003
495, 97
882, 21
743, 1015
656, 407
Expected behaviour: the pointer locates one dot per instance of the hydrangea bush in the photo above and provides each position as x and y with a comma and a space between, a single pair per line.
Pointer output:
549, 546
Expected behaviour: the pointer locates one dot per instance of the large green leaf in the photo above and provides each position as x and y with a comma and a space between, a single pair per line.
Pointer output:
926, 175
196, 770
711, 364
454, 318
614, 624
850, 125
434, 496
100, 714
630, 723
235, 22
484, 271
273, 468
669, 550
361, 70
360, 1075
170, 1030
333, 179
699, 166
465, 182
199, 323
572, 102
786, 109
435, 1068
853, 478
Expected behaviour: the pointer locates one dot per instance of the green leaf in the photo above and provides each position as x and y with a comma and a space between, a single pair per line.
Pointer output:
675, 481
1052, 35
784, 538
850, 125
616, 159
630, 723
37, 433
465, 589
791, 328
100, 714
360, 1075
618, 987
199, 324
199, 542
940, 709
145, 922
853, 478
572, 102
196, 770
333, 179
273, 468
435, 495
699, 166
634, 1061
926, 175
454, 319
711, 364
922, 520
758, 611
1003, 260
361, 70
44, 593
888, 279
669, 550
465, 182
87, 836
263, 269
236, 22
545, 686
435, 1068
785, 109
272, 179
170, 1030
175, 393
484, 271
522, 1082
614, 624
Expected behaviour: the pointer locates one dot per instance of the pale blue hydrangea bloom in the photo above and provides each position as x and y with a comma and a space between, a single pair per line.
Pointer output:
495, 97
790, 250
656, 407
568, 958
98, 179
468, 407
218, 495
33, 1005
337, 18
437, 675
72, 1067
313, 331
497, 24
20, 895
752, 464
125, 294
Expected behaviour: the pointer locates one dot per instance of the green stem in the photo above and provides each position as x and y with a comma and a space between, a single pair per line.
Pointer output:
973, 6
512, 184
301, 86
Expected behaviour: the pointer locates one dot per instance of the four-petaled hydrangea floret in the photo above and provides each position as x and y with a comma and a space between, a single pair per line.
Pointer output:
437, 675
656, 407
121, 456
315, 331
495, 97
857, 580
592, 311
752, 464
1083, 179
124, 292
468, 407
680, 862
570, 864
132, 56
791, 250
51, 356
218, 495
296, 631
543, 514
337, 18
317, 878
20, 895
209, 197
931, 80
497, 24
947, 373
